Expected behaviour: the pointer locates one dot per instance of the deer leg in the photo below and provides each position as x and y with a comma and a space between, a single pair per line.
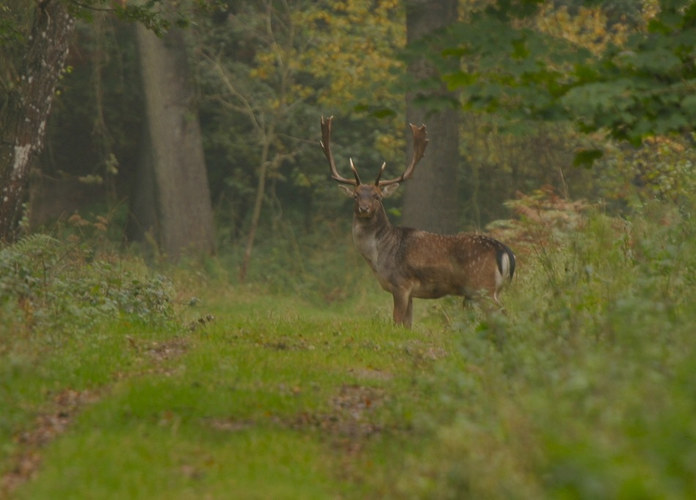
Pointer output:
403, 308
409, 313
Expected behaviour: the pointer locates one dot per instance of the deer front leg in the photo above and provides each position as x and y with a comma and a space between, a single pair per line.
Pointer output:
403, 308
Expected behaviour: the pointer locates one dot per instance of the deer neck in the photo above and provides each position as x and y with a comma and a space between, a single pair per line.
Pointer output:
372, 236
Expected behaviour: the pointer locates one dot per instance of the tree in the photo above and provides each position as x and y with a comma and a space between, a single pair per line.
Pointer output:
28, 103
261, 93
636, 86
35, 36
174, 198
431, 198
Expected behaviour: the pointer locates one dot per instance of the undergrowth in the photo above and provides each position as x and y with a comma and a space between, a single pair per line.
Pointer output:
585, 387
321, 267
582, 388
46, 283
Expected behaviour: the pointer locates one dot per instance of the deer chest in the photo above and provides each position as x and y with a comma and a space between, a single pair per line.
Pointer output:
366, 243
378, 254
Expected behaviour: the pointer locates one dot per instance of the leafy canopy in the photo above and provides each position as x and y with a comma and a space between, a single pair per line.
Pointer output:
633, 76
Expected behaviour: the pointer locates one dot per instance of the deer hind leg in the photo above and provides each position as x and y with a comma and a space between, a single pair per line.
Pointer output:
491, 302
403, 308
486, 299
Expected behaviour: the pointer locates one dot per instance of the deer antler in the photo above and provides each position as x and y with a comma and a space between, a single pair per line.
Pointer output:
326, 147
420, 142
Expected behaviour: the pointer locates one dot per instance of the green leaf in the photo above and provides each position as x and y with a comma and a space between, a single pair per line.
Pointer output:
688, 106
658, 61
586, 157
460, 79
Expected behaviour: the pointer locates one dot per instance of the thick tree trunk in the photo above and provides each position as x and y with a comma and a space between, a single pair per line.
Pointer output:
23, 122
431, 197
184, 216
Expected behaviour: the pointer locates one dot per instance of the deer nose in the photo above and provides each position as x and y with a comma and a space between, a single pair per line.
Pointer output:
363, 211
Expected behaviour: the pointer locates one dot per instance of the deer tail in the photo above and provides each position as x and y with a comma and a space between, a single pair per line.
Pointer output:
506, 262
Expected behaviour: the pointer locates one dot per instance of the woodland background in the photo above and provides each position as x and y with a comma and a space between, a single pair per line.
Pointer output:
518, 97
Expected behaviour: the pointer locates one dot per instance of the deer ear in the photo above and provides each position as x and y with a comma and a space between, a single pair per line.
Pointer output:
347, 190
389, 190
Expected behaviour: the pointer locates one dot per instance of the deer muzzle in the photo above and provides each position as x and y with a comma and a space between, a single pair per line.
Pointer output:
363, 211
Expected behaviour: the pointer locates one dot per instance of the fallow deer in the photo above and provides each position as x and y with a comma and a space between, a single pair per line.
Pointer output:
412, 263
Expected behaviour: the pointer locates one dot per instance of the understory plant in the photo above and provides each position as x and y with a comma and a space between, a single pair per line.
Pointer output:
49, 284
584, 387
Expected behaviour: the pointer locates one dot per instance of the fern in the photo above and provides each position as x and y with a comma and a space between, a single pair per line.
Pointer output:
47, 282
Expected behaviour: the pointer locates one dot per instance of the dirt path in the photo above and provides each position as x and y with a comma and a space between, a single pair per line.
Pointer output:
48, 424
57, 415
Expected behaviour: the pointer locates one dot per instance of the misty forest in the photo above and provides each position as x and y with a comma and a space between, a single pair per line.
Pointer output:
191, 306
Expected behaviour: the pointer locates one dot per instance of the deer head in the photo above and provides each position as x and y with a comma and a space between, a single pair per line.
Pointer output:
368, 197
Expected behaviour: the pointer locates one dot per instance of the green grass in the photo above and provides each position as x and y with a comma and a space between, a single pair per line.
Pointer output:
268, 400
583, 388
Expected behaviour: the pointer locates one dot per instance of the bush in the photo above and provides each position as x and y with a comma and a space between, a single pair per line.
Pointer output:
585, 387
46, 283
322, 267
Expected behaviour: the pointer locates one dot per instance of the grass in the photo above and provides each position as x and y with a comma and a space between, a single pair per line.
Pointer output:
584, 388
271, 388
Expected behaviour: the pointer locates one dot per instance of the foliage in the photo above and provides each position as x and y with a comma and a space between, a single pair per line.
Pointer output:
264, 96
634, 83
321, 267
47, 284
541, 219
90, 133
300, 69
268, 71
353, 50
661, 169
156, 15
583, 389
498, 165
16, 22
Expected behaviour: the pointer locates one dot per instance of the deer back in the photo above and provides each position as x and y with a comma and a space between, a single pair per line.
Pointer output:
433, 265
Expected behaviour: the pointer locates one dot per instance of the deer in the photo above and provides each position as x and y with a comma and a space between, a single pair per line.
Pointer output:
411, 263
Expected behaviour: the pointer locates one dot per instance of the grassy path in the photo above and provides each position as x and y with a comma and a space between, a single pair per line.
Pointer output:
257, 398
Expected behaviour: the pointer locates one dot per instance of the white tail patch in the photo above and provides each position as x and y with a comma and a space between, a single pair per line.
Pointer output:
505, 266
505, 269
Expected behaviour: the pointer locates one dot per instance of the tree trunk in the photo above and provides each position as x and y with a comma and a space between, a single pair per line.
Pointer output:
23, 122
184, 216
431, 197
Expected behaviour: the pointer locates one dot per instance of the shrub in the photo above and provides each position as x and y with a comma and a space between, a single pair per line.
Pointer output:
584, 388
48, 283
